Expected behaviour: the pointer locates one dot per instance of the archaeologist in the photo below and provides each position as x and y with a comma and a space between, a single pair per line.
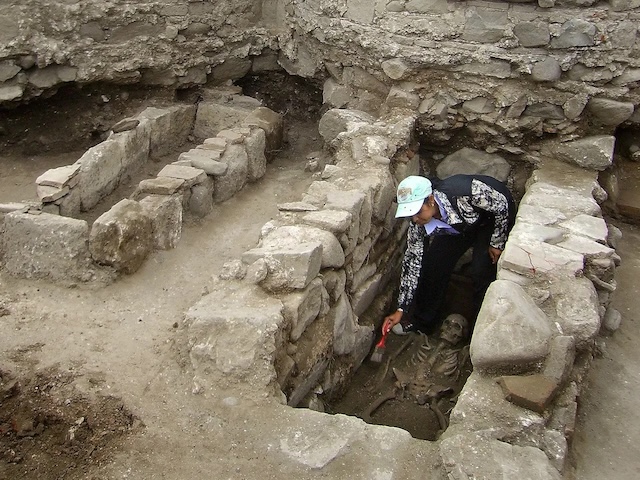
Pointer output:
447, 218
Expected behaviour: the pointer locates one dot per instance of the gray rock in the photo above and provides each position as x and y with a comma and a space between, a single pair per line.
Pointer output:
336, 221
544, 110
273, 125
255, 145
344, 326
559, 362
548, 70
201, 199
302, 308
212, 117
575, 105
485, 25
336, 121
511, 331
612, 320
290, 268
576, 309
575, 33
290, 236
610, 112
8, 70
45, 246
122, 237
532, 34
395, 68
191, 176
594, 152
237, 161
165, 212
11, 92
471, 161
479, 457
231, 334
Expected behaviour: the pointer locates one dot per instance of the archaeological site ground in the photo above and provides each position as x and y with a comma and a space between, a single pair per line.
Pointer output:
198, 243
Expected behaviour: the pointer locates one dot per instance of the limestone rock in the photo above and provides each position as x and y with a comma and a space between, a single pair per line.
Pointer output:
227, 185
511, 331
470, 161
610, 112
302, 307
165, 212
45, 246
122, 237
594, 152
336, 121
290, 236
475, 456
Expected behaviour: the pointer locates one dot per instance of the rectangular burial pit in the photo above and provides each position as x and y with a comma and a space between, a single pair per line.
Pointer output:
417, 381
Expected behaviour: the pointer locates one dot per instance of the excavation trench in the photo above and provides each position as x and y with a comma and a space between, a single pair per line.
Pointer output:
34, 142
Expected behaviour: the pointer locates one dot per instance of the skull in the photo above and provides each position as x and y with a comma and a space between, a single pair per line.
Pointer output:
455, 328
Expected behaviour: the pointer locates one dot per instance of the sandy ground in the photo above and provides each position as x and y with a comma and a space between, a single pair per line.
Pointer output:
118, 340
608, 433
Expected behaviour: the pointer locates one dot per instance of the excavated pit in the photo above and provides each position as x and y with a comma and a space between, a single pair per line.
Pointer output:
55, 132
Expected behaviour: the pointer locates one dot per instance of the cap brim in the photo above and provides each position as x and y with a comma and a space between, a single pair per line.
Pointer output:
409, 209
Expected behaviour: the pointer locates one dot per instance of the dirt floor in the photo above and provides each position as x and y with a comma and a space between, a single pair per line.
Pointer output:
90, 379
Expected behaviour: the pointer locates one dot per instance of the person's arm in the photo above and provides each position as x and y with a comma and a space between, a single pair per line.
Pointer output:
411, 265
490, 200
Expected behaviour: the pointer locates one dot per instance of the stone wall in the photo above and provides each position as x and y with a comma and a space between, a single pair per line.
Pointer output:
168, 43
44, 241
287, 318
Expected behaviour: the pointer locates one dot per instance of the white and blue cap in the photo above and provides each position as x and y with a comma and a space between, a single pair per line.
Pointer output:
411, 194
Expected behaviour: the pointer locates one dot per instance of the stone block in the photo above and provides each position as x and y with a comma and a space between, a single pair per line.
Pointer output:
569, 202
60, 177
476, 456
273, 125
559, 362
511, 331
336, 121
201, 199
159, 186
45, 246
534, 392
100, 170
594, 228
589, 249
302, 308
400, 98
538, 259
290, 236
122, 237
210, 166
471, 161
335, 221
212, 117
50, 194
547, 70
290, 268
170, 127
255, 145
576, 308
232, 334
334, 282
364, 296
237, 161
344, 326
532, 34
190, 175
595, 152
481, 406
335, 94
165, 212
610, 112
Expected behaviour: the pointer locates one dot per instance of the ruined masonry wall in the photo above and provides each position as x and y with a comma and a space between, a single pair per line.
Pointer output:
45, 241
168, 43
286, 318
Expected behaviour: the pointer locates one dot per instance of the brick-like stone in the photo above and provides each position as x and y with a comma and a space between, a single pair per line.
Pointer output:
534, 392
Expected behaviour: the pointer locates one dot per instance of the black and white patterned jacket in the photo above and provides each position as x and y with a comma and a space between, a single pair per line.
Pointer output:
467, 200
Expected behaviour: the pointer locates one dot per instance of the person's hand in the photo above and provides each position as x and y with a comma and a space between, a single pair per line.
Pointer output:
494, 253
391, 320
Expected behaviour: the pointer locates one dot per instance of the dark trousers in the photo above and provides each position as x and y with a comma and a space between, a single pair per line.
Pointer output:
439, 259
